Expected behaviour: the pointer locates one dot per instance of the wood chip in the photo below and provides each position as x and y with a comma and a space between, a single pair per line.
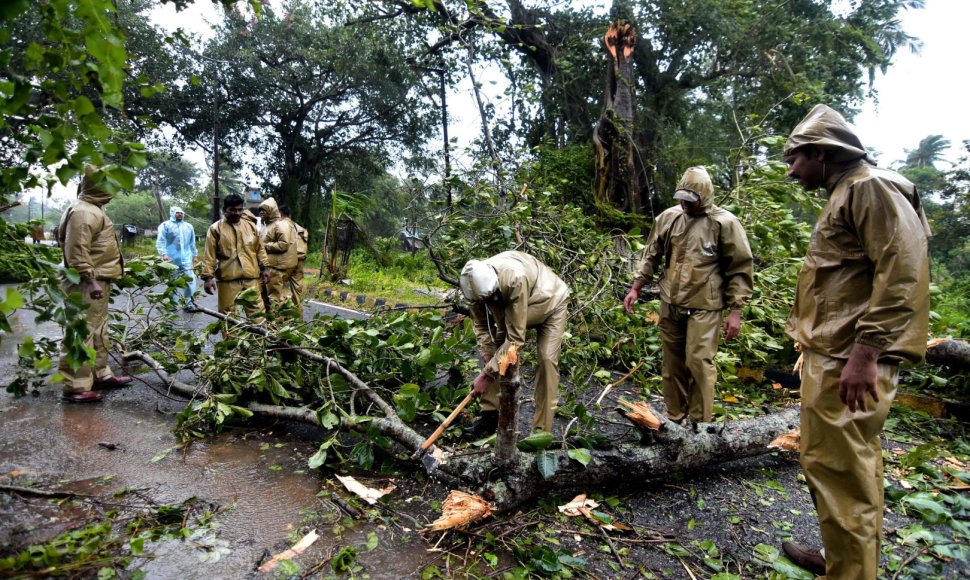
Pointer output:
510, 358
642, 414
368, 494
459, 510
297, 549
787, 441
580, 506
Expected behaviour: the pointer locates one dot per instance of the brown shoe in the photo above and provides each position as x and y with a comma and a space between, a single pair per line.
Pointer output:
112, 382
82, 397
808, 558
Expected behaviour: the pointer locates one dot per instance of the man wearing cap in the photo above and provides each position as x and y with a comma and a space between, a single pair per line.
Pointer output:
176, 244
90, 246
706, 267
861, 307
234, 256
507, 294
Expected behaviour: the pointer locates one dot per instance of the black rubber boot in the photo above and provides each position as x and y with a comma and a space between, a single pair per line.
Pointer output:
484, 426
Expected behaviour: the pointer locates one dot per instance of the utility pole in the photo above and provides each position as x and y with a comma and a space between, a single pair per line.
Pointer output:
215, 147
440, 71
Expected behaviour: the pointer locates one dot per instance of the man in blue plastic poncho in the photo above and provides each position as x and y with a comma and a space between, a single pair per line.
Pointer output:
176, 243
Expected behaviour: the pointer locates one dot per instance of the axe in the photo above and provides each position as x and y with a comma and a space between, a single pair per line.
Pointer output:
430, 461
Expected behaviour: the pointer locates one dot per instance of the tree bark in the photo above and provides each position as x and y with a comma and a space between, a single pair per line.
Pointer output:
952, 353
613, 137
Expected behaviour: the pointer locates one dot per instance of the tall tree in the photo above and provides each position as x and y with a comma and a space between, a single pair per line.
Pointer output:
298, 91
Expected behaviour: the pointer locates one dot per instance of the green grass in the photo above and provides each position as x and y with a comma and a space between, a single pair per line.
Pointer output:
402, 280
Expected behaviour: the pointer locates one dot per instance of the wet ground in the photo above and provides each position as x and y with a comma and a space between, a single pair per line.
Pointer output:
266, 498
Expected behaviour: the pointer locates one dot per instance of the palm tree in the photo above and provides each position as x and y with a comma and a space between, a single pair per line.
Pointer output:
929, 151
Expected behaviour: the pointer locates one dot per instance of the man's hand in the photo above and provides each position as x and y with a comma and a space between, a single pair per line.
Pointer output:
264, 275
631, 298
481, 384
732, 324
486, 358
210, 285
165, 257
859, 377
93, 289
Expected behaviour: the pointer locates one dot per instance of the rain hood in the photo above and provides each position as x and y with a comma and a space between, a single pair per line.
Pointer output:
272, 210
696, 180
825, 128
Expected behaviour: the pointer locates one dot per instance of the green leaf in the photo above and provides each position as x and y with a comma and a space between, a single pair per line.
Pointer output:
12, 302
137, 545
372, 541
581, 455
535, 442
547, 463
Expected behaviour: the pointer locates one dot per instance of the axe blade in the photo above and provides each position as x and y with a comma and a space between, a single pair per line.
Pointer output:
429, 461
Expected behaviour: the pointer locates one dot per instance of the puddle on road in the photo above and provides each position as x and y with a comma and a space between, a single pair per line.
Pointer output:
262, 475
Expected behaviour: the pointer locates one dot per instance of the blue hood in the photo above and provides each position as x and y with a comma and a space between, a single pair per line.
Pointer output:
173, 210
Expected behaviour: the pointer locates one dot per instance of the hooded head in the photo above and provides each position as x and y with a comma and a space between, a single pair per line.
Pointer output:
272, 211
826, 129
90, 191
478, 281
175, 210
696, 186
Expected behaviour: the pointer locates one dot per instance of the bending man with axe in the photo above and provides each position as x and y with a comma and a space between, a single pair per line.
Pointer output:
507, 294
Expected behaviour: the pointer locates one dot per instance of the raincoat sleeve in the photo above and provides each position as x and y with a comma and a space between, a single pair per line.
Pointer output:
77, 243
262, 259
280, 242
652, 256
480, 323
516, 322
737, 265
191, 240
889, 231
209, 259
160, 245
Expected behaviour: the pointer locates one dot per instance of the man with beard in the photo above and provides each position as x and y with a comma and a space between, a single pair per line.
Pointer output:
234, 257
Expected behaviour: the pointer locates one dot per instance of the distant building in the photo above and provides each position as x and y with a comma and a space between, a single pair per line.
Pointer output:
253, 199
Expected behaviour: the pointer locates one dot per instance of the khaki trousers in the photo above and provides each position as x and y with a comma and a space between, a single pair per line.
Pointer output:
96, 318
278, 288
842, 459
689, 344
296, 286
548, 346
228, 290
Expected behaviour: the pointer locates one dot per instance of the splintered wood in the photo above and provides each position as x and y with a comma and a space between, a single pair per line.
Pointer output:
787, 441
509, 359
459, 510
296, 550
641, 414
368, 494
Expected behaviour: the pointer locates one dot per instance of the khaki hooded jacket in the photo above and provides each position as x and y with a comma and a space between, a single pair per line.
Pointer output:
88, 237
233, 252
865, 278
529, 293
302, 239
706, 258
280, 238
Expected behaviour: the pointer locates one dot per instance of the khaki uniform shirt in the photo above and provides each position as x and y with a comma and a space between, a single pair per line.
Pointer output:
529, 292
280, 239
866, 275
232, 252
88, 238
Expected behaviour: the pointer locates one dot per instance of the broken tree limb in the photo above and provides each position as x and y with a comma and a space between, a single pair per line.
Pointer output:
948, 352
676, 449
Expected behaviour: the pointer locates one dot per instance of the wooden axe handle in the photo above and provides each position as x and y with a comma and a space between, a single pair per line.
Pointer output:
444, 425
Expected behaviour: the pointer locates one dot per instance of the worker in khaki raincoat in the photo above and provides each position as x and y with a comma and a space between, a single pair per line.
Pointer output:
280, 241
707, 267
88, 238
296, 280
234, 257
861, 307
507, 294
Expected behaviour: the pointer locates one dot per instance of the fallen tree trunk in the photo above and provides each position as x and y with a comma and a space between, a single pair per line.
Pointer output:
949, 352
674, 450
514, 478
